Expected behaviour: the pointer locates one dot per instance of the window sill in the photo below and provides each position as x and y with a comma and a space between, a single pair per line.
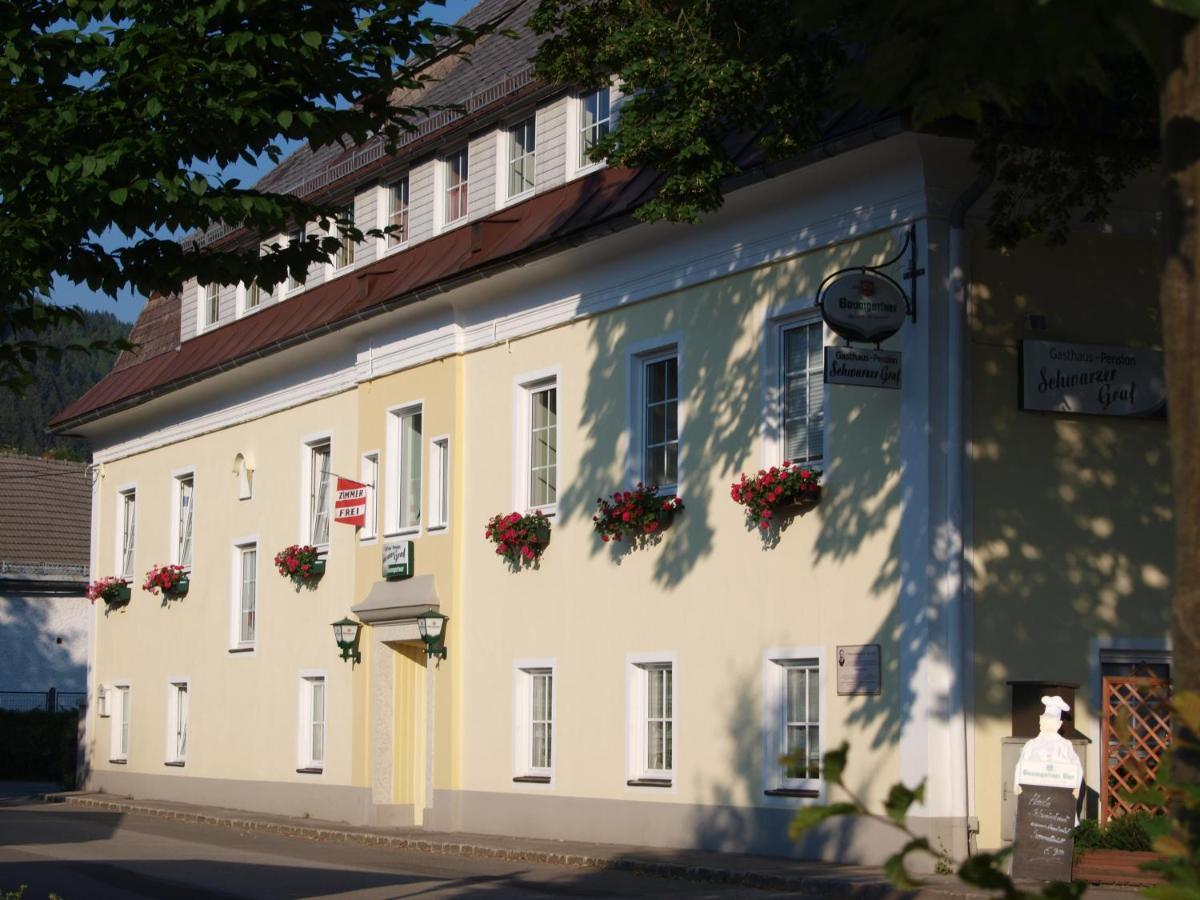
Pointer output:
548, 511
810, 793
119, 762
581, 171
175, 763
437, 529
649, 782
403, 532
310, 771
532, 779
241, 649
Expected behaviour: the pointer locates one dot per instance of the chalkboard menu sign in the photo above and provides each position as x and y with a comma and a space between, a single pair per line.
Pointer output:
1043, 844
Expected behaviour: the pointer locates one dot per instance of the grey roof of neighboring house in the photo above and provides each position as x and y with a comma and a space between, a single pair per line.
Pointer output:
45, 518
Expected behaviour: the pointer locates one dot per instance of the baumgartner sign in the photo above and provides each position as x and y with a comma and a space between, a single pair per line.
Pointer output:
1092, 379
863, 306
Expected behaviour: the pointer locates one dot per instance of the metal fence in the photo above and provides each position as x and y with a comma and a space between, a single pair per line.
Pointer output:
52, 700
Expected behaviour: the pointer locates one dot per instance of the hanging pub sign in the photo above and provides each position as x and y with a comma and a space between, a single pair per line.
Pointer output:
1092, 379
397, 559
862, 367
350, 505
862, 305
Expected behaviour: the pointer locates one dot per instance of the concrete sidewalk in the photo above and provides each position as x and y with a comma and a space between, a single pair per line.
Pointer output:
805, 878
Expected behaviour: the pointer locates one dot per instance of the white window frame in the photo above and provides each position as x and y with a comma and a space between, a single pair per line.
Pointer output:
178, 477
524, 387
123, 535
369, 475
237, 559
637, 668
504, 161
384, 206
395, 465
442, 189
290, 285
244, 290
308, 444
347, 254
640, 355
575, 167
207, 320
773, 438
304, 731
776, 661
121, 710
524, 671
175, 754
440, 467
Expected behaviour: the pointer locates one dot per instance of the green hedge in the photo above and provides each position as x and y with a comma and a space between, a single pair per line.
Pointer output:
1128, 832
39, 746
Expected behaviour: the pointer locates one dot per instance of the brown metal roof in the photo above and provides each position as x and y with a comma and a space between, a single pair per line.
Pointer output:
469, 251
45, 514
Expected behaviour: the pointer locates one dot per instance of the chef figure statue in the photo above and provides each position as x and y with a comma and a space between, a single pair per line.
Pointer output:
1049, 760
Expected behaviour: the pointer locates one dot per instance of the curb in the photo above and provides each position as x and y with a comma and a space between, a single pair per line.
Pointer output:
825, 886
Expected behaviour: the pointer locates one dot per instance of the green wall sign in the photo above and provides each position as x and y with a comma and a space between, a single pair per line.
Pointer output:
397, 560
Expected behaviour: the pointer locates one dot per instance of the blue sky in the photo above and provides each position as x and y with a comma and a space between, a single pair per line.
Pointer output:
128, 304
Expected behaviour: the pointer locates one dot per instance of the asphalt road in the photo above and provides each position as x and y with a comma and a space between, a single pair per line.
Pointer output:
82, 854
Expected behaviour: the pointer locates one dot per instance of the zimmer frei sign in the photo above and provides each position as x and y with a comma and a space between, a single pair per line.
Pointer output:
350, 505
863, 307
1092, 379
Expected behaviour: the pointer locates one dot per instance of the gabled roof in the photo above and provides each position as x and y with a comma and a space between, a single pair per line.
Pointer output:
45, 518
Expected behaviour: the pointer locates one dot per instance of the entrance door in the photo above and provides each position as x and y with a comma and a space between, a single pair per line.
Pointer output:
1135, 732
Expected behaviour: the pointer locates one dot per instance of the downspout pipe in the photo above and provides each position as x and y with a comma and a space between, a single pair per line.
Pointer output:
958, 571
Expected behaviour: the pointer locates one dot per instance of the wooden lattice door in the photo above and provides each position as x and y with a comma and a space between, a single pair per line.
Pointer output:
1130, 760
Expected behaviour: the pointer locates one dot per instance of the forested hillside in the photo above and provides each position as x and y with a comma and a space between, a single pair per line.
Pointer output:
56, 383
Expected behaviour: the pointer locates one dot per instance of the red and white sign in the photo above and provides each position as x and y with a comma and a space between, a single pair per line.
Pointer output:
350, 507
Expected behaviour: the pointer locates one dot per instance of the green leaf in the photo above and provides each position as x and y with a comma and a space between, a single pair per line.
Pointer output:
897, 875
901, 798
833, 763
312, 38
284, 118
808, 817
118, 195
153, 106
986, 870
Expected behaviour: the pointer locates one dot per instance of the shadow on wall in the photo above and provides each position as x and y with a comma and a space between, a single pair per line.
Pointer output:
30, 629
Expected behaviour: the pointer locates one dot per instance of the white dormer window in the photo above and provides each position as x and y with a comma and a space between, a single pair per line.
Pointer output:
397, 212
595, 122
456, 179
212, 304
254, 295
295, 236
345, 252
522, 158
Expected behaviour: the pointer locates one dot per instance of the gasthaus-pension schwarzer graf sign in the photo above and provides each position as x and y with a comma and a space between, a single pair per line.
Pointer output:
1091, 379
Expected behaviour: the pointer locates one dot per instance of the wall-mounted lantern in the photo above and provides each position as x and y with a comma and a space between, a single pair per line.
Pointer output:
432, 625
345, 632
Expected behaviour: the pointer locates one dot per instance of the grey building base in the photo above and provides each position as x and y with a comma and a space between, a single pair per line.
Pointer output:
730, 829
331, 802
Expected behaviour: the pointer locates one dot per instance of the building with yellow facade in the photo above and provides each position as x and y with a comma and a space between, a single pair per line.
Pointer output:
519, 343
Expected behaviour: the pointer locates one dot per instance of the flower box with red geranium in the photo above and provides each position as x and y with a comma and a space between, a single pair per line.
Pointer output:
301, 563
635, 515
112, 590
772, 491
173, 581
521, 539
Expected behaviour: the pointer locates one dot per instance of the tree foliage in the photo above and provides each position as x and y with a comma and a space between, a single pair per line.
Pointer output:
121, 114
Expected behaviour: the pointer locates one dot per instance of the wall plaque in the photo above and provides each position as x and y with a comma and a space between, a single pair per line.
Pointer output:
864, 368
1043, 846
397, 559
1092, 379
859, 669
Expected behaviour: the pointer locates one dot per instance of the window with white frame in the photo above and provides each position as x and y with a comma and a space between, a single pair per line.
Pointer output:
312, 722
128, 506
660, 418
397, 212
318, 493
370, 477
652, 722
534, 721
212, 304
456, 175
345, 253
177, 721
792, 726
595, 122
522, 157
255, 295
121, 709
185, 501
802, 392
406, 466
295, 236
439, 482
542, 455
245, 595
